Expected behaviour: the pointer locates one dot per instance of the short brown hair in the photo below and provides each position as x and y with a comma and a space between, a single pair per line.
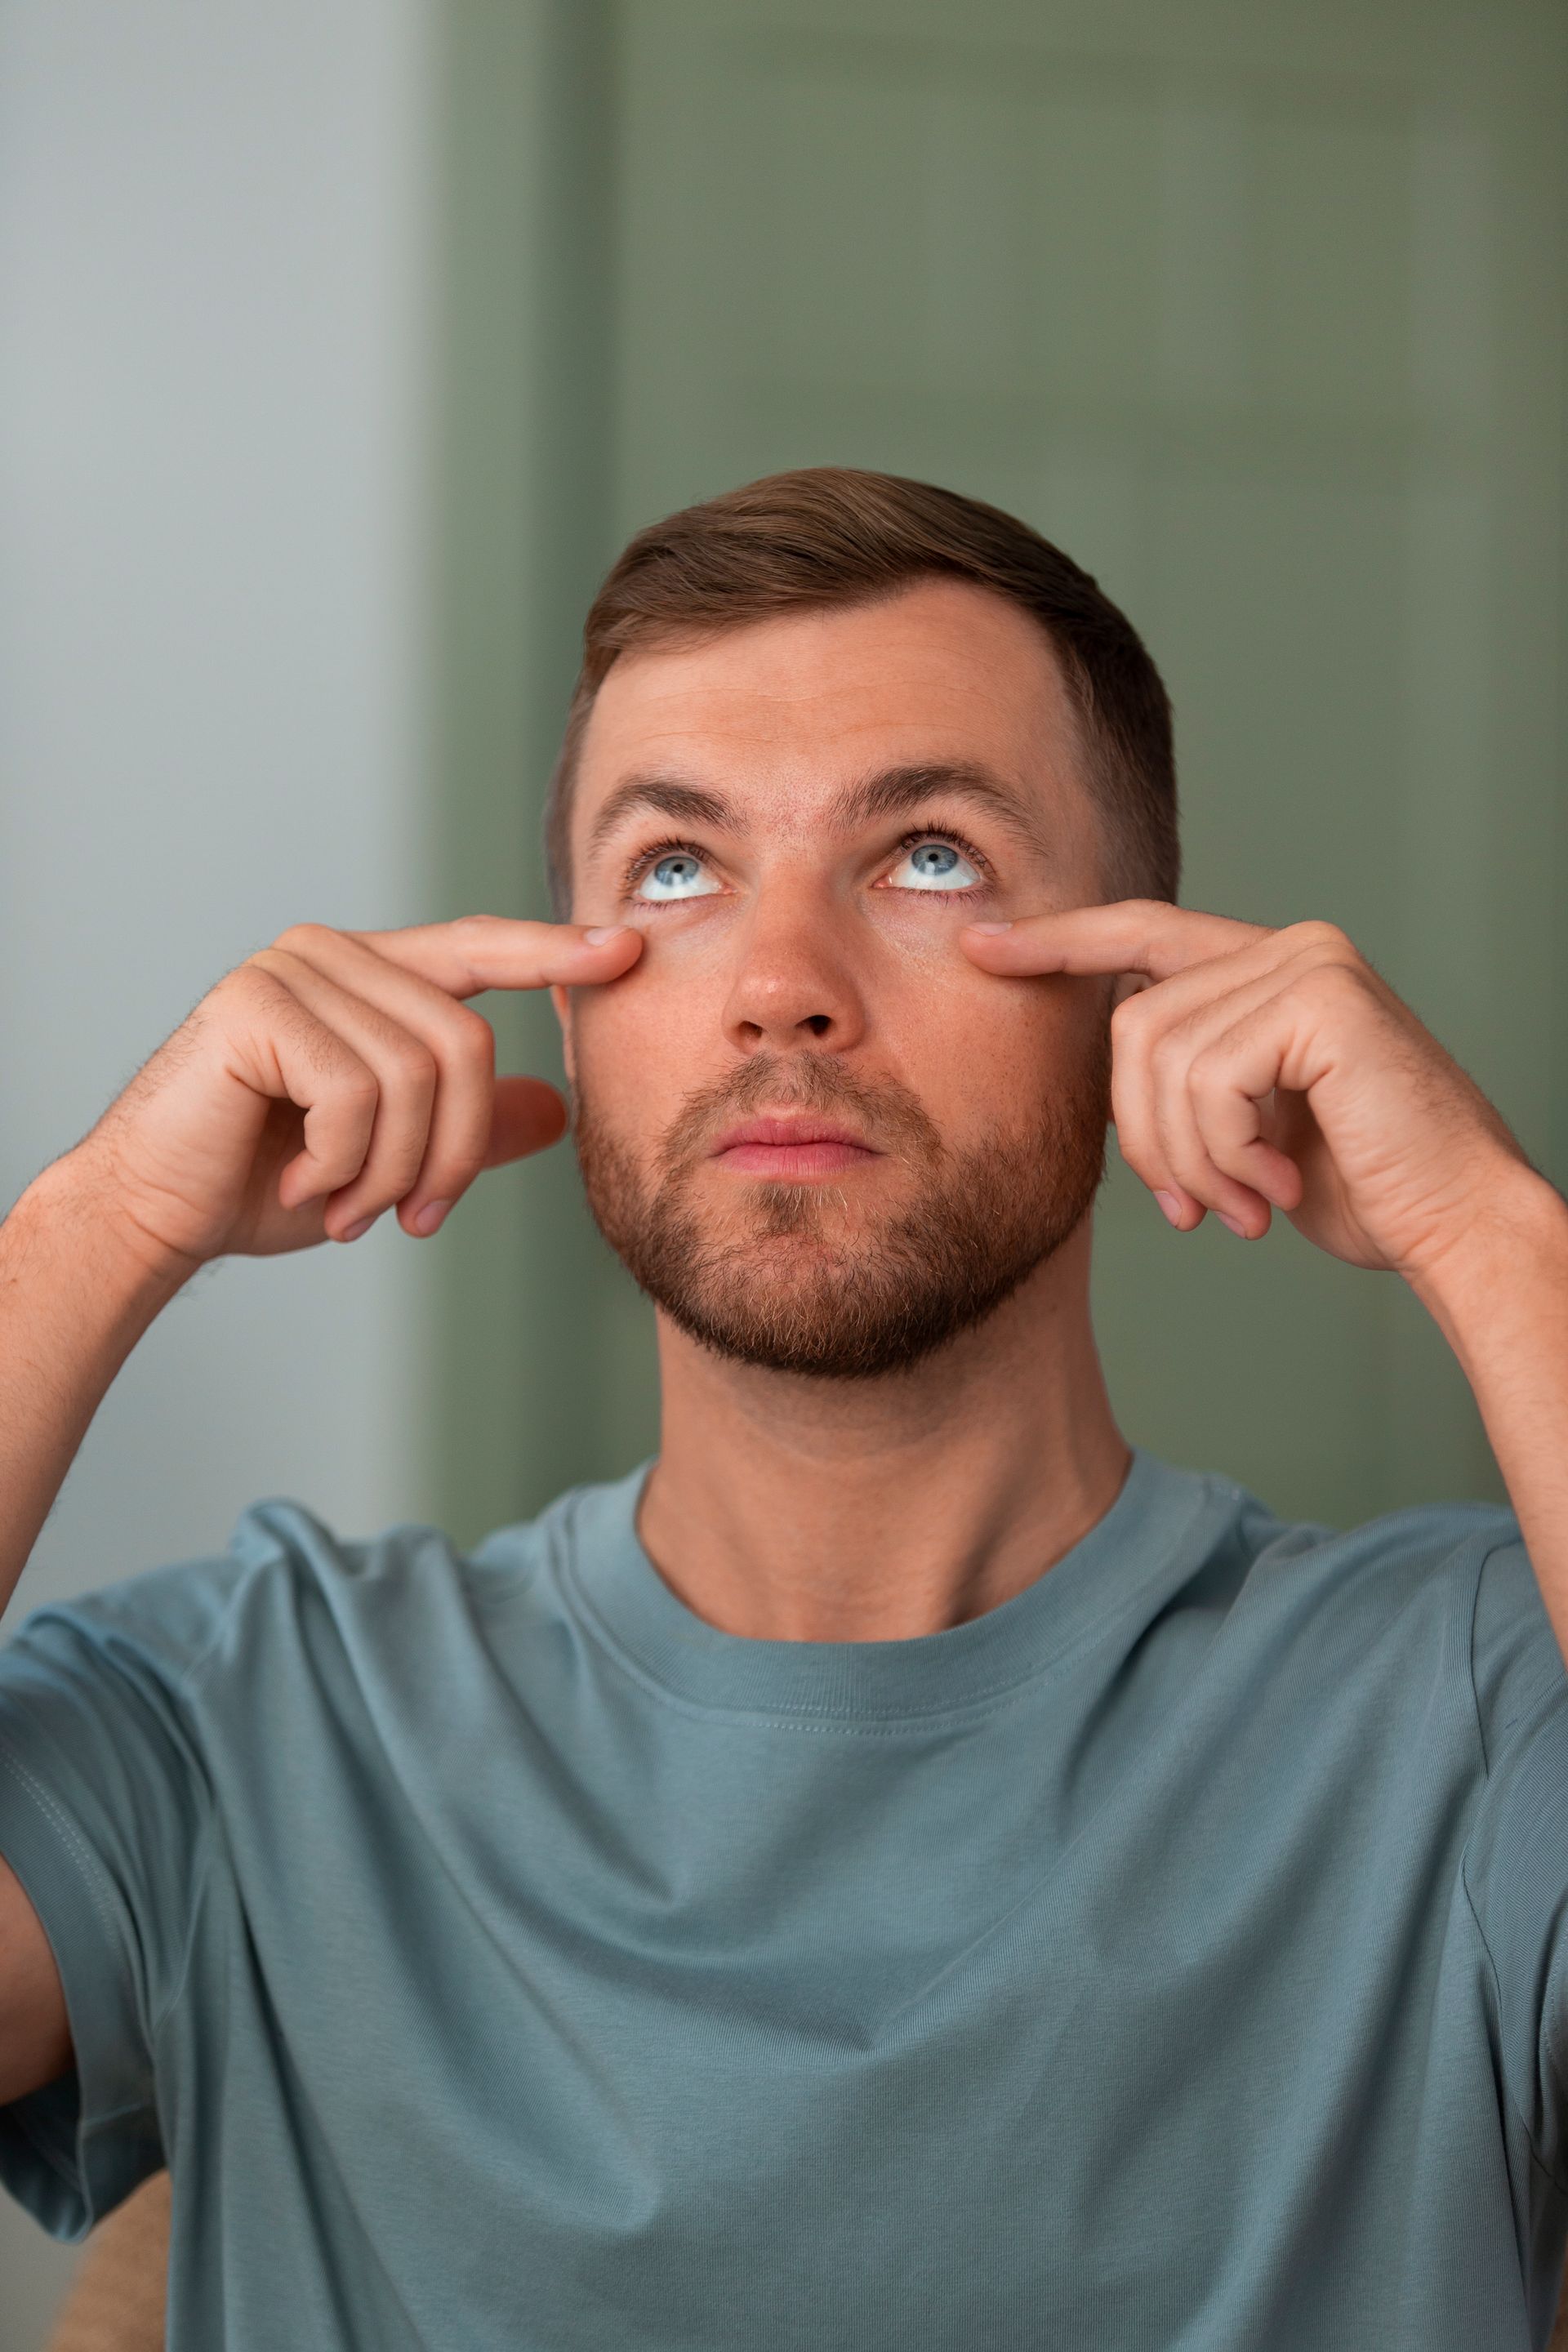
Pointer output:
830, 535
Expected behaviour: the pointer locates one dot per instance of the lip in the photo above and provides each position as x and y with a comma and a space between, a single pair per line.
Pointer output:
783, 1147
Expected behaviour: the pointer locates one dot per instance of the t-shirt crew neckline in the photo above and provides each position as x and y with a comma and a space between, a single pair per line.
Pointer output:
612, 1585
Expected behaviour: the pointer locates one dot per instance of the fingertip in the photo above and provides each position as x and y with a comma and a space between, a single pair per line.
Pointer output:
1277, 1179
980, 938
1177, 1205
1009, 950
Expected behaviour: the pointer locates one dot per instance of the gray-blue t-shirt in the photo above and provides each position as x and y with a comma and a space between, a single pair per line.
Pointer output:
500, 1957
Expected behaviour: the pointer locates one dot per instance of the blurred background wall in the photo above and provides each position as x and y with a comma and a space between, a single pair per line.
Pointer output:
1260, 312
340, 347
214, 226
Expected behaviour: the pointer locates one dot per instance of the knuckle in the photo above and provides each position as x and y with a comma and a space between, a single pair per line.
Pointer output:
1134, 1141
261, 985
1321, 937
1140, 1156
472, 1038
339, 1154
1326, 984
387, 1175
1171, 1052
349, 1078
388, 1171
265, 973
299, 938
353, 1085
456, 1158
415, 1065
1127, 1020
1207, 1076
396, 1174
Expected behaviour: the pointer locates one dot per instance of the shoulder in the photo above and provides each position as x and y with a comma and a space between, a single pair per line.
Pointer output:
290, 1591
1464, 1566
1436, 1589
286, 1576
1397, 1558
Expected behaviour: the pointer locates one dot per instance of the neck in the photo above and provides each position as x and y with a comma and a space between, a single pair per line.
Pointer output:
809, 1510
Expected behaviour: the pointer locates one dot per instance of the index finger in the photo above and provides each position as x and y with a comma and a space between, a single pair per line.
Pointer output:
480, 951
1139, 935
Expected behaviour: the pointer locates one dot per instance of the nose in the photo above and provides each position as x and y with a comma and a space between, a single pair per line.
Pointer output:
794, 986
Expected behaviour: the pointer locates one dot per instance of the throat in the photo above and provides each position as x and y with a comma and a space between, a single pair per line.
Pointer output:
790, 1509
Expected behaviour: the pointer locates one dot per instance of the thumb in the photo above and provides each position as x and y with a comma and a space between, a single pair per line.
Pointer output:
1128, 984
527, 1114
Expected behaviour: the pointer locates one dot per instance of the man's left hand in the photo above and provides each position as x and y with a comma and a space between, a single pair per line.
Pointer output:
1256, 1068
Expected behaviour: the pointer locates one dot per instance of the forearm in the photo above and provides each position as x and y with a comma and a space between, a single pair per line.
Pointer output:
1501, 1299
74, 1300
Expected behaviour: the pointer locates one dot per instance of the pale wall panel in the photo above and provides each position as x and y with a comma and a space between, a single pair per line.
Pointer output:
213, 257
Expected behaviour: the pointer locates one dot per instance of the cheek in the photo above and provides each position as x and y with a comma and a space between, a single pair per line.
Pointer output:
976, 1047
637, 1045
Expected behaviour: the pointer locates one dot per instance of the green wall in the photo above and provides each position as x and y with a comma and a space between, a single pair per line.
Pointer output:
1258, 312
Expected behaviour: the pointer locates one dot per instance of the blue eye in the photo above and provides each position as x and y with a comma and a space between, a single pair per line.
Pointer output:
933, 866
678, 874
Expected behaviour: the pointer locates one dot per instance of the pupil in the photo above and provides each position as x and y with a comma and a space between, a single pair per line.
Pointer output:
935, 857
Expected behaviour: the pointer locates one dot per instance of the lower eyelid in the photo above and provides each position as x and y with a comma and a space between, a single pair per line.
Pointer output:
971, 857
935, 890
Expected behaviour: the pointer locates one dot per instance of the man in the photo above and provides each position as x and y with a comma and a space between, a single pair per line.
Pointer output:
907, 1869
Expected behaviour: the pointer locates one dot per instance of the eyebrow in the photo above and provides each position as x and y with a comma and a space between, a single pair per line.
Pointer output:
891, 792
664, 796
895, 792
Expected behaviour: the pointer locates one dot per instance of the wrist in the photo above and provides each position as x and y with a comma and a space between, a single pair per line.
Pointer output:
75, 1295
68, 1210
1514, 1248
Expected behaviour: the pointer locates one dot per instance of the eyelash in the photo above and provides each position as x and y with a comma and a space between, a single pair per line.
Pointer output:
954, 840
651, 855
674, 847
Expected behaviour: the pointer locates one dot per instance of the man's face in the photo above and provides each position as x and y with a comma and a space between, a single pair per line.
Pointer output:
820, 1138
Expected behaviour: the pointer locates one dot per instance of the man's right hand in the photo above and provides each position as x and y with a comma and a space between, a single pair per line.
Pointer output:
327, 1079
331, 1077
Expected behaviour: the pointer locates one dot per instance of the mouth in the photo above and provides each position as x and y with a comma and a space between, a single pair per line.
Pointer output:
785, 1148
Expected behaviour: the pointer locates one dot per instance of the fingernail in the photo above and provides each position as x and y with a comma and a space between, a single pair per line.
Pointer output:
601, 938
430, 1216
988, 927
1240, 1231
1172, 1206
353, 1233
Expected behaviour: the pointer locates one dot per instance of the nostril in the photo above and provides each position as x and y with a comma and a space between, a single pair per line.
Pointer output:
819, 1023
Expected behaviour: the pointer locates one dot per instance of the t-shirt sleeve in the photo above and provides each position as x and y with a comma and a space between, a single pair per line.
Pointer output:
104, 1817
1516, 1857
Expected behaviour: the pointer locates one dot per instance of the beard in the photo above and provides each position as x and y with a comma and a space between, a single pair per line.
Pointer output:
795, 1277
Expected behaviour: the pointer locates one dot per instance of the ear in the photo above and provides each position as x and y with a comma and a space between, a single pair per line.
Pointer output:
561, 1000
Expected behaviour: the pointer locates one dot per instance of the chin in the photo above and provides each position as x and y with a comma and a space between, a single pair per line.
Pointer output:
829, 1279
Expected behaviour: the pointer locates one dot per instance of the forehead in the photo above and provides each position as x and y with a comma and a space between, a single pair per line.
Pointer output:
784, 711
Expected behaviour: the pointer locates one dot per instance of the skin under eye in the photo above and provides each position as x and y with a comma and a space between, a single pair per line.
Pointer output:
674, 874
933, 865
